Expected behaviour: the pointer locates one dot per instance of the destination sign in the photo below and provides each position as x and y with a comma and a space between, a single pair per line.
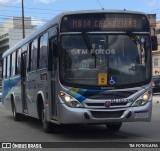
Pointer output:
104, 22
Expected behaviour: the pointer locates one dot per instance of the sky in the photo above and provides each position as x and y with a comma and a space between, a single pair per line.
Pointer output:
43, 10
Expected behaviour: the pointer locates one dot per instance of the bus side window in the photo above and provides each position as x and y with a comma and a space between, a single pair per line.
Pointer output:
53, 46
29, 57
43, 51
33, 59
10, 70
8, 66
18, 61
4, 67
24, 61
13, 64
52, 55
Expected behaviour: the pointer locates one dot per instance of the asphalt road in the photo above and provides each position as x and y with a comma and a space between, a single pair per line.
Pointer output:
30, 130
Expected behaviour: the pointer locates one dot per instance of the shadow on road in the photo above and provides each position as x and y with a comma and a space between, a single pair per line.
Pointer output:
76, 132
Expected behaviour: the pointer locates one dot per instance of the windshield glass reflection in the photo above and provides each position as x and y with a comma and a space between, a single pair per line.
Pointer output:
105, 60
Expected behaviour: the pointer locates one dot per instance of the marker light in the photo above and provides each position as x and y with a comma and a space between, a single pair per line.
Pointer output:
153, 84
62, 94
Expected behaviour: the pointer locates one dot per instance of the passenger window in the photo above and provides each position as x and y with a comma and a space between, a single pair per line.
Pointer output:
13, 64
33, 56
43, 51
29, 58
18, 61
8, 66
4, 67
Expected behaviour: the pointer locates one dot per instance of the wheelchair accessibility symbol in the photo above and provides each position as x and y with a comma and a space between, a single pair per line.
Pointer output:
112, 80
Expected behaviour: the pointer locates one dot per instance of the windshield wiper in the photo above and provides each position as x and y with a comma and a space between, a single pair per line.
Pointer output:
89, 45
134, 37
87, 41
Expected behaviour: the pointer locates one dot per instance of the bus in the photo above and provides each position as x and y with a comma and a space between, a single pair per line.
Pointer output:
82, 67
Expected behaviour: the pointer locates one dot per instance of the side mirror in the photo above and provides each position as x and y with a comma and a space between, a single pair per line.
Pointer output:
154, 41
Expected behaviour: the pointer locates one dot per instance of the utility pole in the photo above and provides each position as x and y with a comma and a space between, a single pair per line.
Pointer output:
23, 27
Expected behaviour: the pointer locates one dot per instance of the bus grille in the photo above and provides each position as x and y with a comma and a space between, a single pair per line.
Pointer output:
103, 105
111, 114
112, 95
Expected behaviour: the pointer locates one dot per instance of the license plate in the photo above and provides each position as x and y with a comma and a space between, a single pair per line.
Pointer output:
141, 115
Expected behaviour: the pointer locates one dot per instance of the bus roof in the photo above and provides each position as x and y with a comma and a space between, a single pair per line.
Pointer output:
56, 20
101, 11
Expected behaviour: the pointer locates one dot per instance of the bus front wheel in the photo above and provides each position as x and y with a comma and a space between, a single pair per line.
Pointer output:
114, 126
16, 116
47, 127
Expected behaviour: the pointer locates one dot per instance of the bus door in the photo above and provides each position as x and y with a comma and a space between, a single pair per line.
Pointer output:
52, 68
23, 76
53, 77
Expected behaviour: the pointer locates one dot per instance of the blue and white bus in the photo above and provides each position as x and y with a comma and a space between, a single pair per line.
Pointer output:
82, 67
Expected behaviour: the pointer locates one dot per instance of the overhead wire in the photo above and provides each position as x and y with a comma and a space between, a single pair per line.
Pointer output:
39, 17
33, 8
28, 12
100, 4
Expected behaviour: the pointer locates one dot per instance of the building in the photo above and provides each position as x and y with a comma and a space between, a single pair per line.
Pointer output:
155, 30
156, 54
11, 33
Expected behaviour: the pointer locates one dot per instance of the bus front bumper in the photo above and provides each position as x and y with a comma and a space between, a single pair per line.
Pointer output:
68, 115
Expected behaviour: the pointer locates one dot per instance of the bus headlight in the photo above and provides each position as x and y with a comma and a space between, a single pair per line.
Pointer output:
143, 99
69, 100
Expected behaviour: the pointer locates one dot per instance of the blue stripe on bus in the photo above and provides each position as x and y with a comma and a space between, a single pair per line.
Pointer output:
76, 95
9, 84
90, 91
80, 94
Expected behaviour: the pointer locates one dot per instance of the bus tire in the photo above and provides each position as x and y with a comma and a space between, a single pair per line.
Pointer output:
114, 126
16, 116
47, 126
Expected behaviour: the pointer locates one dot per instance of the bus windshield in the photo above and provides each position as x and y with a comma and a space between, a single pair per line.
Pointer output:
105, 59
